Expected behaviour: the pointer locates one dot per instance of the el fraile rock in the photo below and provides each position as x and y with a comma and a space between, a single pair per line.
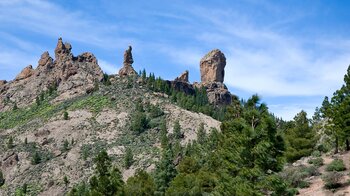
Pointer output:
127, 69
72, 76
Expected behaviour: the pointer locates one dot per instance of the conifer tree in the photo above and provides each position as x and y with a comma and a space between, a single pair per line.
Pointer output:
201, 135
140, 184
129, 158
177, 130
107, 180
300, 138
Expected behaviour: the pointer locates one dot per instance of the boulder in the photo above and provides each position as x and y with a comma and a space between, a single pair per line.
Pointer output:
183, 77
127, 68
25, 73
3, 82
212, 66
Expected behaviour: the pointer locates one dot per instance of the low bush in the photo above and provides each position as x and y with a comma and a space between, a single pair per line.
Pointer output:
332, 180
316, 153
336, 165
316, 161
295, 176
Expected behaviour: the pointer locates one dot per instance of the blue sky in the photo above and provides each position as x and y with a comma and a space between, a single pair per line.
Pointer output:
291, 53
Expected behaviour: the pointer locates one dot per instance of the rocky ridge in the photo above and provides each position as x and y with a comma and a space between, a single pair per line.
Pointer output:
72, 76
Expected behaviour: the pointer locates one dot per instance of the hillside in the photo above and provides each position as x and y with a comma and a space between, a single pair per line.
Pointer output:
99, 117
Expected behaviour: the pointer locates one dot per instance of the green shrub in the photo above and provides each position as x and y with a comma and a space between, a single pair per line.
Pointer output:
65, 180
15, 107
323, 148
65, 146
316, 161
332, 180
65, 115
295, 176
139, 122
316, 153
336, 165
10, 143
36, 159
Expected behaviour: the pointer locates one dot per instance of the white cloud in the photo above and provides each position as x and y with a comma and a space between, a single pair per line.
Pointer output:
108, 67
289, 111
50, 19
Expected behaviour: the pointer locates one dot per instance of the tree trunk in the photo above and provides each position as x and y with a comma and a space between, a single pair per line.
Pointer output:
347, 145
336, 145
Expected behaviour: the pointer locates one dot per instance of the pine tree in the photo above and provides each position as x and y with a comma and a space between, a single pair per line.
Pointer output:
140, 184
177, 130
300, 138
201, 134
164, 140
107, 180
129, 158
165, 170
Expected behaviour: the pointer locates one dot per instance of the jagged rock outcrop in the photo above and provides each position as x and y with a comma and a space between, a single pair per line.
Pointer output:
25, 73
127, 68
217, 92
2, 82
212, 66
183, 77
72, 75
184, 87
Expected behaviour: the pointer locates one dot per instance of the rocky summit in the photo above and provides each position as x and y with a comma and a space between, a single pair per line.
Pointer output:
183, 77
127, 68
71, 75
212, 66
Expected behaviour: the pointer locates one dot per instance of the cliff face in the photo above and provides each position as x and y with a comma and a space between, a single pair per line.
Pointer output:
72, 76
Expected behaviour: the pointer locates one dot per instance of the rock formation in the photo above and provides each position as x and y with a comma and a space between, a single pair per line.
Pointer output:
25, 73
2, 82
127, 68
212, 66
217, 92
183, 77
72, 75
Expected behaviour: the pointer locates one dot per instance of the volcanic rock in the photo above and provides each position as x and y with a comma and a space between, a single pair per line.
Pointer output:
71, 75
212, 66
183, 77
217, 93
3, 82
25, 73
184, 87
127, 68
